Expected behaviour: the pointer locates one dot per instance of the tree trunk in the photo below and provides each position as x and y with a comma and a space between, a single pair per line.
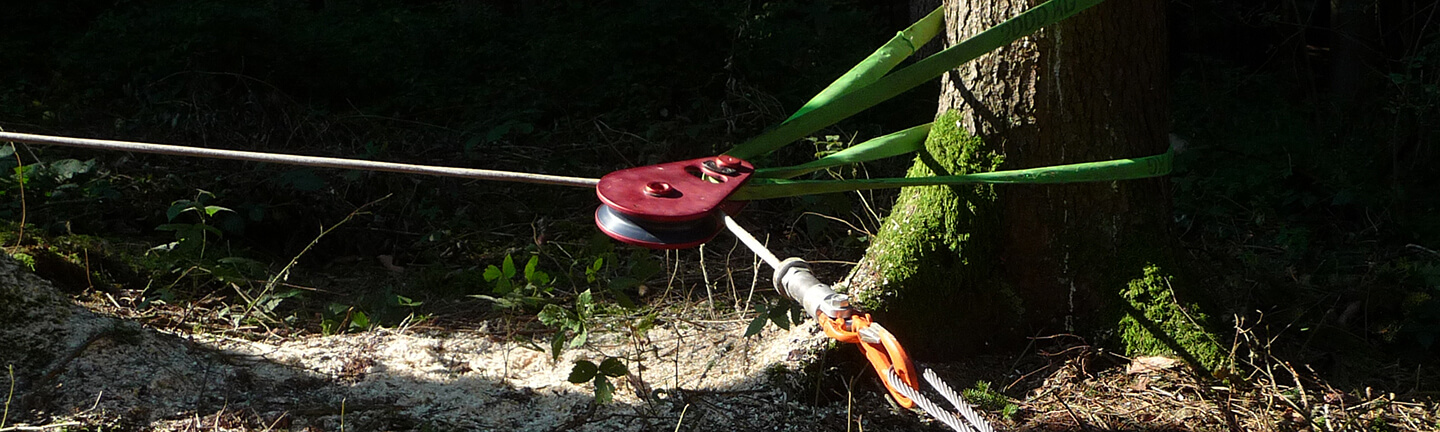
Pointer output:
961, 269
1352, 29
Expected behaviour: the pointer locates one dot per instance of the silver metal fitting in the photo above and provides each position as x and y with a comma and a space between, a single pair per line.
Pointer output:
871, 334
794, 279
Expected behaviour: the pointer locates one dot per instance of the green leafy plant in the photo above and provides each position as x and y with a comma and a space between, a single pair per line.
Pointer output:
611, 367
831, 144
406, 301
987, 398
24, 258
45, 175
192, 238
64, 180
782, 312
512, 289
265, 305
609, 273
368, 312
340, 318
191, 255
573, 324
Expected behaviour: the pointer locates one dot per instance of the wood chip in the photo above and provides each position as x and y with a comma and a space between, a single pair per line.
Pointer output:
1150, 364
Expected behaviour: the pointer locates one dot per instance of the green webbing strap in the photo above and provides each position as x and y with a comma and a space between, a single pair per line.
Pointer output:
859, 98
895, 144
1120, 169
899, 48
866, 85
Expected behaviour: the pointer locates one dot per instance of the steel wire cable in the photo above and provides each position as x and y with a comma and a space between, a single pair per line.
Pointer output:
944, 416
960, 405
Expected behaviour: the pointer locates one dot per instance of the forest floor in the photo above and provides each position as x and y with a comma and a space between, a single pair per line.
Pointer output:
182, 337
177, 369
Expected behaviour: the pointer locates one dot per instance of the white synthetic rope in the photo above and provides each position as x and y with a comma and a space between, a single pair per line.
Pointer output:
749, 240
315, 161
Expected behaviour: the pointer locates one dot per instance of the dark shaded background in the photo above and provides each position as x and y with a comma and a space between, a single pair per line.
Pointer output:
1307, 185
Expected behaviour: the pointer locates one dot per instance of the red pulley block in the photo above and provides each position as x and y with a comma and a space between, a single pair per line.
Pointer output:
671, 205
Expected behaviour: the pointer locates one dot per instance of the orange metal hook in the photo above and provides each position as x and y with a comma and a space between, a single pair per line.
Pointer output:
883, 353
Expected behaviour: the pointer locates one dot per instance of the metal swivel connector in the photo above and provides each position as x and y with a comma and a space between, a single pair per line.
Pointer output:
794, 279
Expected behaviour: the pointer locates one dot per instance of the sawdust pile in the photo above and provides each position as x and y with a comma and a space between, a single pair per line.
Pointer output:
104, 372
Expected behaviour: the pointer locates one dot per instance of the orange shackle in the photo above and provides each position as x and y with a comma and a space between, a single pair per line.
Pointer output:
884, 352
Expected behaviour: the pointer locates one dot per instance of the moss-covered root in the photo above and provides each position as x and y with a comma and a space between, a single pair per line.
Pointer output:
1155, 323
931, 270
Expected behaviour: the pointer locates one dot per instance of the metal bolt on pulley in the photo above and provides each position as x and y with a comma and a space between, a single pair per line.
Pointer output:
672, 205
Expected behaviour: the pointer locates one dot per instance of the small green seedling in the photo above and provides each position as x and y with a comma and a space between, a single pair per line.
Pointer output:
782, 312
991, 400
191, 238
339, 318
573, 324
511, 292
616, 276
611, 367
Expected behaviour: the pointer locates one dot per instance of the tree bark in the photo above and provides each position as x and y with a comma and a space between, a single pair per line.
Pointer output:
958, 270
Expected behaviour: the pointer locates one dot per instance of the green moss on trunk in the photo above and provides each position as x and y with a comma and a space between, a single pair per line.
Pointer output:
932, 267
967, 269
935, 276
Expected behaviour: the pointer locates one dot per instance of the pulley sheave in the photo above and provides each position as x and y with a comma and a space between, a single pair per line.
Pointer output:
670, 205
